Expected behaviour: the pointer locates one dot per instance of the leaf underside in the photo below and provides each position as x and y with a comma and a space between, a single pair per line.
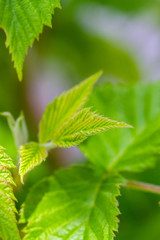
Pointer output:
129, 149
23, 22
8, 226
77, 203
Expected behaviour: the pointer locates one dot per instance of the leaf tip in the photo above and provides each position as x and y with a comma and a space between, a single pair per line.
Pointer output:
129, 126
22, 178
98, 74
20, 77
125, 125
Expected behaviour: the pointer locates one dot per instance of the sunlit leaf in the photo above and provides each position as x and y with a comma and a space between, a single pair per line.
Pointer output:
23, 22
130, 149
79, 204
8, 226
64, 107
31, 155
82, 125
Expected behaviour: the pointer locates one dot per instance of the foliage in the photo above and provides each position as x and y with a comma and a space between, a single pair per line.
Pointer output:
79, 202
127, 150
63, 124
64, 107
31, 155
82, 125
74, 207
23, 22
8, 227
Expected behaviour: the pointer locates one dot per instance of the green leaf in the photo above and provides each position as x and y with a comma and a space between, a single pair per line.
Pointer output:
64, 107
8, 226
130, 149
80, 204
23, 22
82, 125
31, 155
65, 125
18, 128
34, 196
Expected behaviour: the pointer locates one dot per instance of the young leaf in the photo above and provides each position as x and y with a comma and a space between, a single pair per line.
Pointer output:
63, 124
64, 107
8, 226
82, 125
80, 204
18, 128
23, 22
127, 150
31, 155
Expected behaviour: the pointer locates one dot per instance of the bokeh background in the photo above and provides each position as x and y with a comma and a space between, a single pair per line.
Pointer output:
120, 37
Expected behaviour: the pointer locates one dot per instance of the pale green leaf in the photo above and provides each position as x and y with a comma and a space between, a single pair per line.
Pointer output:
18, 128
82, 125
130, 149
80, 203
8, 226
23, 21
64, 107
31, 155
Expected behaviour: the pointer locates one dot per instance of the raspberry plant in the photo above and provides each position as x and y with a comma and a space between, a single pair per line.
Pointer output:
78, 202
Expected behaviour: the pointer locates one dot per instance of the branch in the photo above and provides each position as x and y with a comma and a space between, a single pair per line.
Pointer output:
146, 187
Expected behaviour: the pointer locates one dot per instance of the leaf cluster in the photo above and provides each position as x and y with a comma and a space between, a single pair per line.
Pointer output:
79, 202
65, 123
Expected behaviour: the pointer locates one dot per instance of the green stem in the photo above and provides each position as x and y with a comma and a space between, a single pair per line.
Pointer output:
146, 187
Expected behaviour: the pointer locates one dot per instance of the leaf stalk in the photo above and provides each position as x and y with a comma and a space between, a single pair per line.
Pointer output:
146, 187
48, 146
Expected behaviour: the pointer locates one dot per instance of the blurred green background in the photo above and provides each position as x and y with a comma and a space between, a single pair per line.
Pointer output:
120, 37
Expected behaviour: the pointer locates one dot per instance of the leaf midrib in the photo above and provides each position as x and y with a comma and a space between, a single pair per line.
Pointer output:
98, 188
96, 193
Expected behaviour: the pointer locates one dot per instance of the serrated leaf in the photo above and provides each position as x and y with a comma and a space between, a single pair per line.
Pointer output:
23, 22
31, 155
130, 149
8, 226
64, 107
80, 204
82, 125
